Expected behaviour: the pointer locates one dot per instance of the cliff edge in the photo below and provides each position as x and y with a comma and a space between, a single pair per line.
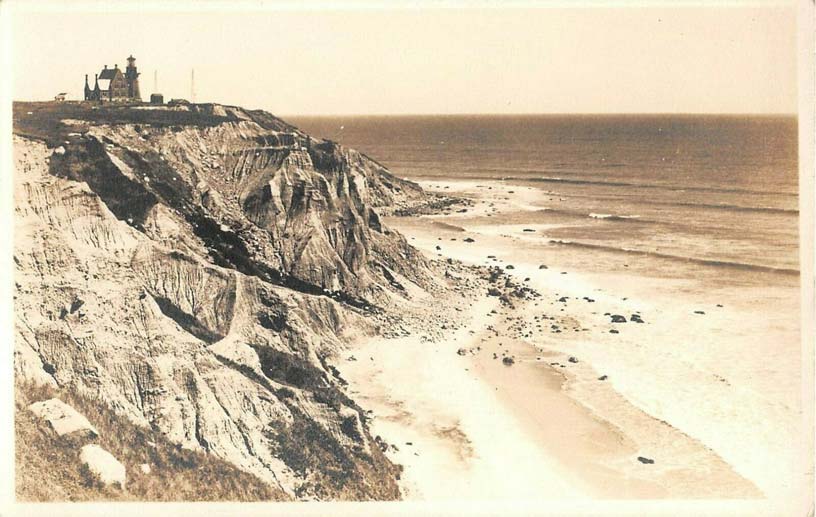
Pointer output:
193, 269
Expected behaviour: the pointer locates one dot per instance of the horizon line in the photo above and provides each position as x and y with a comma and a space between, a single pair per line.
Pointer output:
551, 113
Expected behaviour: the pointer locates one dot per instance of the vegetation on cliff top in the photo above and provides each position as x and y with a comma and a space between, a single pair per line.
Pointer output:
43, 120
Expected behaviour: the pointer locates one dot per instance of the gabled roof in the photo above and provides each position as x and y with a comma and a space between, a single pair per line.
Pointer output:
104, 84
109, 73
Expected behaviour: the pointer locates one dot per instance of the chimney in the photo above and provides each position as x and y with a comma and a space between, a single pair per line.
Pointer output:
115, 66
106, 67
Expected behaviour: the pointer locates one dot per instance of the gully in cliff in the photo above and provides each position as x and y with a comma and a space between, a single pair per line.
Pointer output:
229, 253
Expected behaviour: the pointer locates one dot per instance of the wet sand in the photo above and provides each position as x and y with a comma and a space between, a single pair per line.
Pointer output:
552, 427
478, 428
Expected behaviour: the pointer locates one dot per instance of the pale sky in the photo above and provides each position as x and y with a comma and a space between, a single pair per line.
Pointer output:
634, 59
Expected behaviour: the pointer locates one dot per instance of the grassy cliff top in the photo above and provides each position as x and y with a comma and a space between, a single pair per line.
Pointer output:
43, 120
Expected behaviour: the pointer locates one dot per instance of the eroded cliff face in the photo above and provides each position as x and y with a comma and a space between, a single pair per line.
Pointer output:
198, 278
254, 195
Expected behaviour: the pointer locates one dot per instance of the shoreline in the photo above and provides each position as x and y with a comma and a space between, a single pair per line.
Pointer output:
468, 417
613, 429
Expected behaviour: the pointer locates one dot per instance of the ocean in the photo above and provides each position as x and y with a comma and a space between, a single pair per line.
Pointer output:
718, 191
689, 221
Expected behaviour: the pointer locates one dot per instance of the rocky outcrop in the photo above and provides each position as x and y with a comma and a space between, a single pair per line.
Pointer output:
103, 465
198, 277
62, 418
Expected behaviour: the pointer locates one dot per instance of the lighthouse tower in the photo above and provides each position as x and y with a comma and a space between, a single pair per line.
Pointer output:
132, 79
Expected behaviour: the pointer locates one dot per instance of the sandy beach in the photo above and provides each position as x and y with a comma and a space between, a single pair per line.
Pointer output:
588, 407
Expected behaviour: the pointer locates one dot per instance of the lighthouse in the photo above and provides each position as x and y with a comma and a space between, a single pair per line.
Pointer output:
132, 78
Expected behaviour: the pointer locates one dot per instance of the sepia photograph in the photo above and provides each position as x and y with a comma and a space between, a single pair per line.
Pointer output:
409, 258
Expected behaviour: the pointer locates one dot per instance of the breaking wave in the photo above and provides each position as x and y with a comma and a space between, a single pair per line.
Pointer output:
573, 181
679, 258
612, 217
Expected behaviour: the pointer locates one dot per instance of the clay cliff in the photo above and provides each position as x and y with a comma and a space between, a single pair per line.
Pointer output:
197, 269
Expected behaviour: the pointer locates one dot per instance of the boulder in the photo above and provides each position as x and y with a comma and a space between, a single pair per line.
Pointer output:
382, 444
469, 240
617, 318
645, 461
508, 361
492, 291
572, 359
103, 464
542, 266
636, 318
62, 418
